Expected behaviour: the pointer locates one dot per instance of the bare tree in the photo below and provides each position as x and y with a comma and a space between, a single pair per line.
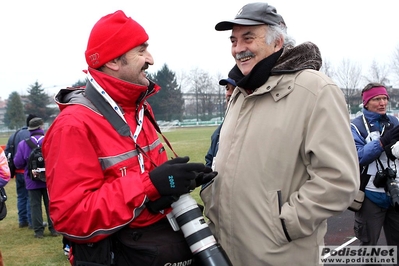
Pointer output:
327, 69
378, 73
395, 63
201, 85
348, 76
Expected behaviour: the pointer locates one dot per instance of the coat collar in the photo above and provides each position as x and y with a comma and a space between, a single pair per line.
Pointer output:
124, 93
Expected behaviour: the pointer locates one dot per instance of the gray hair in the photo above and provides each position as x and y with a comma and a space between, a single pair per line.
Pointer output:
276, 32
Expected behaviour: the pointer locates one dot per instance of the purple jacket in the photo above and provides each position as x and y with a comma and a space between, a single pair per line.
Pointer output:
21, 159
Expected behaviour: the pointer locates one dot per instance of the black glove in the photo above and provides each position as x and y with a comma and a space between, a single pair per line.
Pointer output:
205, 177
390, 137
161, 203
174, 176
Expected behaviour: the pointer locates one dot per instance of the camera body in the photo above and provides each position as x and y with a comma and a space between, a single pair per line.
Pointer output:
187, 216
387, 179
382, 176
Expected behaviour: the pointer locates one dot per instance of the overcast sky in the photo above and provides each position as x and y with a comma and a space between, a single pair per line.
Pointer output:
45, 40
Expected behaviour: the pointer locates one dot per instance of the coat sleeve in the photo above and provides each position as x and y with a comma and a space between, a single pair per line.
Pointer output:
332, 166
86, 203
19, 157
367, 152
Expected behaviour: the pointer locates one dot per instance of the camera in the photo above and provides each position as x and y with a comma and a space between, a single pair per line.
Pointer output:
387, 179
187, 216
382, 176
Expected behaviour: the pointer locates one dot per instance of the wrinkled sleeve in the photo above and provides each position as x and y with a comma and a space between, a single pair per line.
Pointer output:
367, 152
84, 205
19, 157
332, 166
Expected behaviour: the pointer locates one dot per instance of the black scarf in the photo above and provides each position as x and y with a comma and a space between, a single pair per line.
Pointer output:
287, 60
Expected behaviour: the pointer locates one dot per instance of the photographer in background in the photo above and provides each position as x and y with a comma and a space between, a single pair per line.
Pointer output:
374, 133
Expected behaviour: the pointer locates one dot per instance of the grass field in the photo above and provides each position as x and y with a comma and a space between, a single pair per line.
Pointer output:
18, 245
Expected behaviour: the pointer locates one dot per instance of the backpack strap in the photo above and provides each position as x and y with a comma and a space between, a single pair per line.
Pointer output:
12, 145
30, 142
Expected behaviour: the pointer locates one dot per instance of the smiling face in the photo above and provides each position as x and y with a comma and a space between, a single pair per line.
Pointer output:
249, 46
131, 66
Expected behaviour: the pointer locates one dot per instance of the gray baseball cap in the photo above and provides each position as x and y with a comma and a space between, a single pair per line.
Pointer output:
253, 14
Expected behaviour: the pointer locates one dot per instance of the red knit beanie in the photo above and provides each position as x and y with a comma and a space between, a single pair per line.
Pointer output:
112, 36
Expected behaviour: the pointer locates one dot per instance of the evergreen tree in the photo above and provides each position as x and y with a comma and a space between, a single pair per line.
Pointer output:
38, 102
168, 103
14, 117
79, 83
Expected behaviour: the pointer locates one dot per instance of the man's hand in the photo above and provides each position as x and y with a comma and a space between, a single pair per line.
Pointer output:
161, 203
204, 177
175, 176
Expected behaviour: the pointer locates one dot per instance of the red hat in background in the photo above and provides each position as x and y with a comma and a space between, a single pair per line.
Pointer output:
112, 36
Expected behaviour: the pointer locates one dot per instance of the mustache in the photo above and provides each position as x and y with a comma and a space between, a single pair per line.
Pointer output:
146, 65
244, 54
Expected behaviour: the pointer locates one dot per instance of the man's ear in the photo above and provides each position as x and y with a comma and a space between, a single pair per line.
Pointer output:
278, 44
113, 65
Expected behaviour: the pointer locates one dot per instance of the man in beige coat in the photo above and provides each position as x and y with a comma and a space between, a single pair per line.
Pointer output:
286, 160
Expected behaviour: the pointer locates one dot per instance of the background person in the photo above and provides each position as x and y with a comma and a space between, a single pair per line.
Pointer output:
23, 203
286, 153
109, 180
4, 178
230, 85
381, 133
37, 189
4, 169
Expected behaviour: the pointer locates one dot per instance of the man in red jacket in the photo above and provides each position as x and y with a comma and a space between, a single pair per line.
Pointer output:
106, 166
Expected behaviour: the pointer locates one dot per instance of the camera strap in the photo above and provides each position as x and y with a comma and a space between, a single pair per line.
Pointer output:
378, 162
113, 113
382, 165
367, 126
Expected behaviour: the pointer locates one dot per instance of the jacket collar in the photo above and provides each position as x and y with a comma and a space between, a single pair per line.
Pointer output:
35, 132
125, 94
376, 119
290, 59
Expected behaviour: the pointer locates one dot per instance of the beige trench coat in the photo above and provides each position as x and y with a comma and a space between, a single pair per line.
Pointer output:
287, 162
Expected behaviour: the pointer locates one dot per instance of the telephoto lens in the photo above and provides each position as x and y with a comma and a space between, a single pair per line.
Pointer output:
187, 216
